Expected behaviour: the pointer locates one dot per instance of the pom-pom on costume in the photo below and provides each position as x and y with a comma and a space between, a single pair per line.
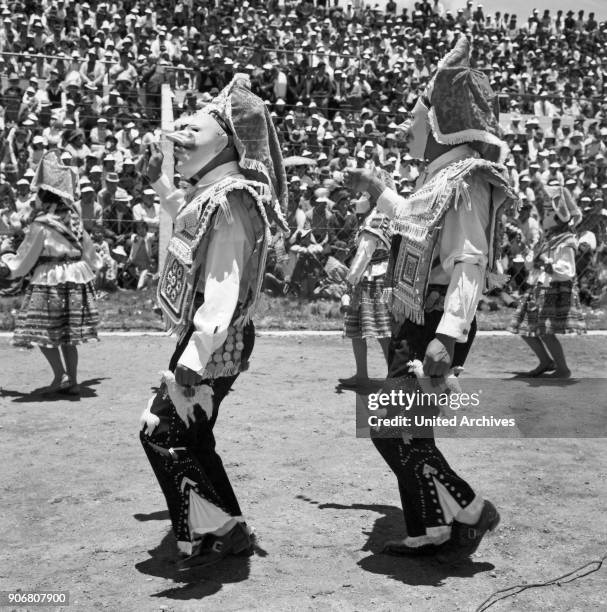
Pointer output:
208, 290
59, 306
444, 254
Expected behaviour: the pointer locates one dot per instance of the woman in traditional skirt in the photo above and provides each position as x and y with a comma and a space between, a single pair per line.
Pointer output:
367, 316
59, 309
552, 305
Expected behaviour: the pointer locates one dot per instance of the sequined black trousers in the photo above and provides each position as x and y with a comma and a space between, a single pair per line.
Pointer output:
198, 467
420, 468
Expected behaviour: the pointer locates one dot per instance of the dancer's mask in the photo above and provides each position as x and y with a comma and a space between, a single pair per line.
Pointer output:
197, 143
235, 117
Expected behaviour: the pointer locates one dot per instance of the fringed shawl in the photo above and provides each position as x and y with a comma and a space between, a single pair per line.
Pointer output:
420, 224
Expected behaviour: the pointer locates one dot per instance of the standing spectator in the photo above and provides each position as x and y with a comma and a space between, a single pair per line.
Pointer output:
108, 193
11, 99
148, 210
143, 256
118, 218
88, 208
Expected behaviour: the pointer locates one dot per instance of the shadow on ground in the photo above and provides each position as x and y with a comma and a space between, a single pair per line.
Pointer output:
159, 515
39, 395
196, 582
411, 571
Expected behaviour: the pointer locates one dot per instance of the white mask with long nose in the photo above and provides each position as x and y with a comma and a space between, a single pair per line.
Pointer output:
418, 130
199, 140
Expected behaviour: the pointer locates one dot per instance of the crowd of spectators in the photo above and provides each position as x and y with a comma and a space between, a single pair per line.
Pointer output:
339, 80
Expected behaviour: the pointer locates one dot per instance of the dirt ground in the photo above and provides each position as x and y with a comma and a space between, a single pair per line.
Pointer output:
82, 512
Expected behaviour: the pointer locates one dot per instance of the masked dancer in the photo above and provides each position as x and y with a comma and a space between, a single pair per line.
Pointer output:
212, 277
443, 254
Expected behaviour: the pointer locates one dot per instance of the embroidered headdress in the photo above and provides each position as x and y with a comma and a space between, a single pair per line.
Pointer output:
246, 118
463, 106
54, 176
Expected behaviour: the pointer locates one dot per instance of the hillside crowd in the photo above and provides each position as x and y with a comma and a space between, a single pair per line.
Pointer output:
85, 77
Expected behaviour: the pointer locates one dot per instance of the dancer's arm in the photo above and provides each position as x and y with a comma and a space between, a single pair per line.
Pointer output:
563, 266
391, 204
463, 253
171, 198
366, 248
20, 263
89, 253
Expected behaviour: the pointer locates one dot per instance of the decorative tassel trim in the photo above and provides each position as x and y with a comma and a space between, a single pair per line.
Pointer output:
467, 136
63, 194
260, 275
401, 311
231, 371
409, 229
224, 205
462, 193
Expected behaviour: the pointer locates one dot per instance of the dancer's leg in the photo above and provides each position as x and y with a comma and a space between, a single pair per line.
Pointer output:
359, 347
385, 347
556, 350
536, 345
183, 456
54, 358
70, 356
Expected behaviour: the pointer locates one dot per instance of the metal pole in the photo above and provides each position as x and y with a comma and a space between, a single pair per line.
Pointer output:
168, 168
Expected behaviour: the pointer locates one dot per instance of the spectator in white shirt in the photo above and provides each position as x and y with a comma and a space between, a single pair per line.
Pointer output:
148, 210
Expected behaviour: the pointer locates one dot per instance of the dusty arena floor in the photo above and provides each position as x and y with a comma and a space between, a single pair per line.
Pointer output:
82, 511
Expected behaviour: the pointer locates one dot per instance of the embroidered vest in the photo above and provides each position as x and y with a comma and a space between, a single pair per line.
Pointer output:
184, 266
419, 228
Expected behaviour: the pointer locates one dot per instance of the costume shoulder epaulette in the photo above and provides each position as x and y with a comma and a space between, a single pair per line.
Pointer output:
218, 198
493, 173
